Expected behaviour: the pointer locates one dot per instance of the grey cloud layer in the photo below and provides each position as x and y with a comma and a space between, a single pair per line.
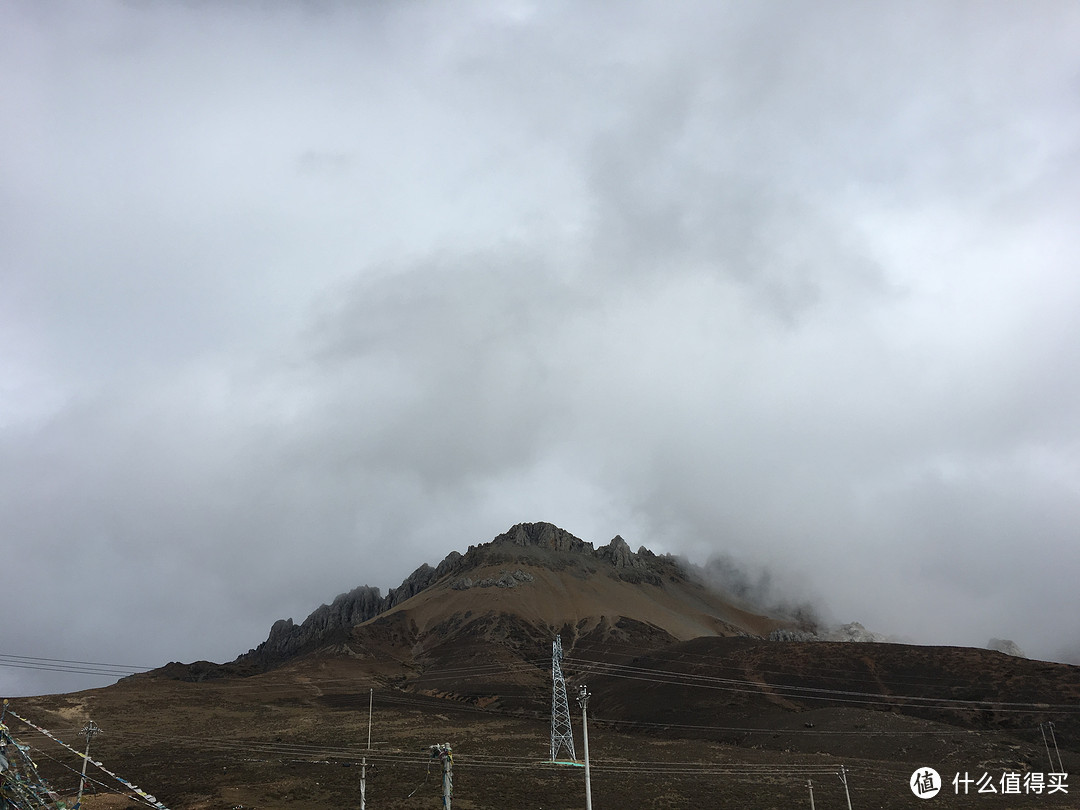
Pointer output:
299, 299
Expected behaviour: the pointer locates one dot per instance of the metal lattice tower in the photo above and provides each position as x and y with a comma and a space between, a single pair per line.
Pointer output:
562, 736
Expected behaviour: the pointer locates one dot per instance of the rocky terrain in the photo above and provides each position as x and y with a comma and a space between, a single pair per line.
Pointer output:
697, 700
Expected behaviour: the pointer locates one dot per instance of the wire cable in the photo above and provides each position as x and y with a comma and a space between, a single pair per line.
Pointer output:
670, 677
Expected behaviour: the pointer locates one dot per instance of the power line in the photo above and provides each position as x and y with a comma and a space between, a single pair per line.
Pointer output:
499, 762
670, 677
807, 731
130, 667
532, 666
650, 674
72, 667
155, 803
102, 785
422, 702
823, 672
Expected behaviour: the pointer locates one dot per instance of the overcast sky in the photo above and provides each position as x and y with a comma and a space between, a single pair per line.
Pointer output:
297, 296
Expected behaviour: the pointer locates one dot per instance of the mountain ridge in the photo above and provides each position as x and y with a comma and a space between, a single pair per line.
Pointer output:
540, 547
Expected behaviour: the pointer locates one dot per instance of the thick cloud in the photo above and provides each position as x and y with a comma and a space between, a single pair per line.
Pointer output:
299, 297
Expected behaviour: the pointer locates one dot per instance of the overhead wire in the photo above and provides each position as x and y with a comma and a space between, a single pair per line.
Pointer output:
649, 674
277, 750
271, 751
313, 753
818, 670
65, 665
123, 670
670, 677
45, 732
422, 702
105, 788
323, 751
530, 666
491, 761
806, 731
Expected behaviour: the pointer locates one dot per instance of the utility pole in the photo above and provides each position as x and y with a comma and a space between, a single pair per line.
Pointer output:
810, 784
1053, 736
1042, 730
583, 702
88, 731
363, 767
446, 756
843, 778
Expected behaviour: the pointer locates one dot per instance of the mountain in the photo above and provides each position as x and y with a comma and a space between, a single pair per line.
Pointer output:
622, 615
526, 585
695, 695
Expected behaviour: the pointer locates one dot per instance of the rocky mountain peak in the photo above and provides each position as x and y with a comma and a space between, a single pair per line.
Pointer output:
535, 544
542, 535
618, 553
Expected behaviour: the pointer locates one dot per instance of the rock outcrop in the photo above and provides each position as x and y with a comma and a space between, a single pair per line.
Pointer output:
1005, 645
618, 553
544, 536
288, 639
642, 567
506, 579
853, 632
790, 634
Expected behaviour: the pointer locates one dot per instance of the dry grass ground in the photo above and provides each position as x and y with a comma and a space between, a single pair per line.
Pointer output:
294, 738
